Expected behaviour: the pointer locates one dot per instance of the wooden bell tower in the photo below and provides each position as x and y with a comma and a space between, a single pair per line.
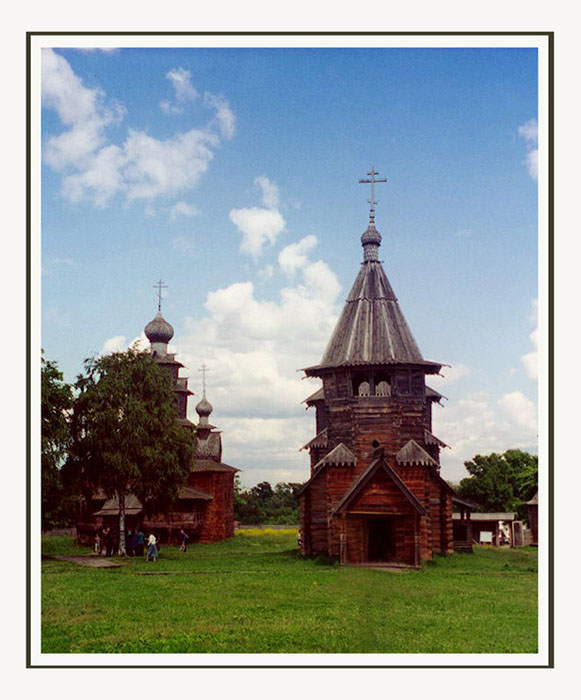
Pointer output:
375, 494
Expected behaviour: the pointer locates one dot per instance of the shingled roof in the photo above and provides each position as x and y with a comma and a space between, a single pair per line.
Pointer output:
210, 465
372, 329
319, 440
339, 456
411, 454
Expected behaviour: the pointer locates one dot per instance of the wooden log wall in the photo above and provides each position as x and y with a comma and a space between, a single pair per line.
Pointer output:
319, 537
218, 522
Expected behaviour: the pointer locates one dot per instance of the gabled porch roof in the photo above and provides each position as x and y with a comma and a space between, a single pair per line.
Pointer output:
359, 485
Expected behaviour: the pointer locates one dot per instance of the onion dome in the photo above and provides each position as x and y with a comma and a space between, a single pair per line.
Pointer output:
159, 330
371, 240
204, 408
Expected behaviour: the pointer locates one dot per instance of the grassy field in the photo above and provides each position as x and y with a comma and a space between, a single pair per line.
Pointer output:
255, 594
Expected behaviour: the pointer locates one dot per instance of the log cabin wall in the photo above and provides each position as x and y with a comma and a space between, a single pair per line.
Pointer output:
218, 522
356, 544
318, 512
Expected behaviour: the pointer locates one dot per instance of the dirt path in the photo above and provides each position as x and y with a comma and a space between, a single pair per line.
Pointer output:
93, 561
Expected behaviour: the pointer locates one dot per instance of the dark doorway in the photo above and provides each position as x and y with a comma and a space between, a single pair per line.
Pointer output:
380, 541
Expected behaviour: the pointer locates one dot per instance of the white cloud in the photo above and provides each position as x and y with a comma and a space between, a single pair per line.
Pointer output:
270, 191
530, 132
183, 209
450, 375
259, 226
532, 163
520, 411
100, 180
142, 167
79, 108
103, 49
184, 91
531, 359
165, 167
254, 348
224, 115
478, 424
114, 344
119, 343
168, 108
182, 85
294, 256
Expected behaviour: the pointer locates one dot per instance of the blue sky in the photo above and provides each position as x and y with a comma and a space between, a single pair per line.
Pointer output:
232, 175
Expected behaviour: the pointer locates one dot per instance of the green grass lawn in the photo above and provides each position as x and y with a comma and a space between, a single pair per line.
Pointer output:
255, 594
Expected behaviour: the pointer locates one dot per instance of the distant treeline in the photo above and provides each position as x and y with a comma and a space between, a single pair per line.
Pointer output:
262, 504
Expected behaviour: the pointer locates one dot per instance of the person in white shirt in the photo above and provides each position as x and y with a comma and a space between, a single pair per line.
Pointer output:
151, 547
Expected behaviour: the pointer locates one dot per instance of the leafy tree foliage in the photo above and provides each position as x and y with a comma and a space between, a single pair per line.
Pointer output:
500, 482
56, 401
262, 504
125, 437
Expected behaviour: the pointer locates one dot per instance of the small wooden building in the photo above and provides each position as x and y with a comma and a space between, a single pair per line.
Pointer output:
487, 528
462, 524
375, 494
205, 506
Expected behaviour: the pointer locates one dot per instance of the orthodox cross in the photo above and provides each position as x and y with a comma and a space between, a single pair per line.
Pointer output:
203, 369
372, 173
159, 286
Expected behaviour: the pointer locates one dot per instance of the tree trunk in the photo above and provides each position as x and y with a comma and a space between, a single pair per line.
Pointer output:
122, 550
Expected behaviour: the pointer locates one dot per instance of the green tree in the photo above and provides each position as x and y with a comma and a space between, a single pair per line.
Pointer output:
125, 437
500, 482
261, 504
56, 401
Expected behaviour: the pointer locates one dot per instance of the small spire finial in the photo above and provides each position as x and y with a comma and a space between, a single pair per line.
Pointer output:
159, 286
203, 369
372, 181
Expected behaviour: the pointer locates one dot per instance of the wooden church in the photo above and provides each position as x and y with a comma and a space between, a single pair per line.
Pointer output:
205, 506
375, 494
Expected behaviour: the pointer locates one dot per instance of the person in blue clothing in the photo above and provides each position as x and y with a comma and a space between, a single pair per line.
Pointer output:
139, 542
184, 537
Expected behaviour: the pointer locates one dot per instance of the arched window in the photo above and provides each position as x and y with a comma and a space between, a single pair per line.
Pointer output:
363, 389
382, 388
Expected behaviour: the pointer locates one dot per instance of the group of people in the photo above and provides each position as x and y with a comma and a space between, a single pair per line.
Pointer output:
107, 543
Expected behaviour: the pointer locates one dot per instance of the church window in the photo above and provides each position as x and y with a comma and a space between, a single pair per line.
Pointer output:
361, 384
382, 384
363, 389
382, 388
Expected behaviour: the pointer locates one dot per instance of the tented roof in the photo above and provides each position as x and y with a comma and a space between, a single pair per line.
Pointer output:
372, 329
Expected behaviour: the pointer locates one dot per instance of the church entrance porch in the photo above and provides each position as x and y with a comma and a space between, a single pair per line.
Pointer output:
380, 540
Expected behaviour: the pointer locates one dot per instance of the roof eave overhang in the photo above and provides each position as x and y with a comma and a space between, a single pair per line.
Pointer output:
425, 366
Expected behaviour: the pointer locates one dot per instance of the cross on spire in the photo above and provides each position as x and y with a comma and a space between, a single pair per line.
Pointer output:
159, 286
372, 181
203, 369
